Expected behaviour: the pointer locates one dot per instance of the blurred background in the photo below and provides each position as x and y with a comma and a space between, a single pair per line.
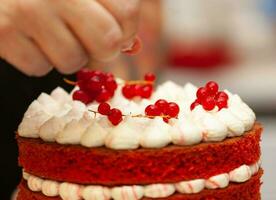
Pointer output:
231, 42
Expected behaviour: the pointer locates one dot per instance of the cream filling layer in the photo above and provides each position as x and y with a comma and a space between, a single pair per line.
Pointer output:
57, 118
71, 191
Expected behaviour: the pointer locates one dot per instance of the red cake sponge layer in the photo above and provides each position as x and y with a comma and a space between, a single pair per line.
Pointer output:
74, 163
249, 190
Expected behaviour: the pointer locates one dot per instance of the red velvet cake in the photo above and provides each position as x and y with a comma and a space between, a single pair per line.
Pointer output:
122, 140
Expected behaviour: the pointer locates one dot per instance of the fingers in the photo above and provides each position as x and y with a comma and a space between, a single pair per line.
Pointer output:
25, 55
126, 13
66, 34
52, 35
95, 27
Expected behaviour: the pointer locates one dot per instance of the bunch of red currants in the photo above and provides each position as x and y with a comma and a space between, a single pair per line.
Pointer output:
210, 96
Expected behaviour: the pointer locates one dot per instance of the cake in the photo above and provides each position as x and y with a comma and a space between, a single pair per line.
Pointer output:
125, 140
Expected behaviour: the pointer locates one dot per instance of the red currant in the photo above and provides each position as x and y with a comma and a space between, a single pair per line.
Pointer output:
208, 103
104, 108
172, 110
149, 77
103, 96
111, 84
84, 74
162, 105
212, 87
222, 102
137, 90
166, 119
82, 85
98, 73
80, 95
222, 95
109, 75
201, 93
146, 91
115, 116
94, 84
152, 110
128, 91
194, 104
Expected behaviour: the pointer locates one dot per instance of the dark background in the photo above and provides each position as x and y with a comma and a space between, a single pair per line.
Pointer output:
16, 93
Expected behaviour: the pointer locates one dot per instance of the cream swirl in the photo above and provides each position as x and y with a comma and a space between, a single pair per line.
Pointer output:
57, 118
70, 191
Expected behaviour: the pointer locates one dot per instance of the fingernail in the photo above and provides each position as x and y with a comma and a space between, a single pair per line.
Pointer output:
135, 48
128, 47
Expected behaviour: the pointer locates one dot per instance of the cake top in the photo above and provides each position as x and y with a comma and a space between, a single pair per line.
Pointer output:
106, 111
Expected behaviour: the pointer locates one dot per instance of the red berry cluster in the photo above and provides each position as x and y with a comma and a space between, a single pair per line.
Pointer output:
94, 85
141, 89
210, 96
164, 109
114, 115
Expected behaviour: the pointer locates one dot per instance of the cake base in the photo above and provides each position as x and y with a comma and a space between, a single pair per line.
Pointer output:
249, 190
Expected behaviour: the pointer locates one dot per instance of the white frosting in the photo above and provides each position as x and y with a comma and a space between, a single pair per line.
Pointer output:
156, 134
96, 193
69, 191
60, 95
35, 183
74, 130
186, 132
94, 135
213, 129
241, 174
127, 192
57, 118
123, 136
159, 190
50, 188
218, 181
190, 187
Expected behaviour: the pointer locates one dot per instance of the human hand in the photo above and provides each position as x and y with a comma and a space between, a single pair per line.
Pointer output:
36, 35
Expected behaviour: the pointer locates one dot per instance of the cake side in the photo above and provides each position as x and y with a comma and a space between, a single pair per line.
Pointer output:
142, 166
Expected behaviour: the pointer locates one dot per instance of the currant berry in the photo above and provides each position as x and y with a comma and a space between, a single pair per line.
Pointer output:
115, 116
152, 110
201, 93
84, 74
166, 119
109, 75
137, 90
172, 109
94, 84
212, 87
146, 91
128, 91
104, 108
194, 104
222, 95
80, 95
149, 77
208, 103
162, 105
111, 84
103, 96
222, 102
82, 85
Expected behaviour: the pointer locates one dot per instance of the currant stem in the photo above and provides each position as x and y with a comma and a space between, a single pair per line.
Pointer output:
139, 115
70, 82
139, 82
